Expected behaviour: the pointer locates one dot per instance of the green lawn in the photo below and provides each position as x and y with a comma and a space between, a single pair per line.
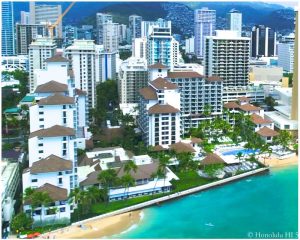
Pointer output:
188, 180
101, 208
44, 229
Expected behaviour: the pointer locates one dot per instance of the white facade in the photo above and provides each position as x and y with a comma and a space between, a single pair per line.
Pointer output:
267, 73
190, 45
159, 23
159, 113
205, 24
39, 51
234, 21
101, 19
189, 67
85, 65
111, 37
133, 75
25, 17
107, 66
139, 47
286, 56
42, 13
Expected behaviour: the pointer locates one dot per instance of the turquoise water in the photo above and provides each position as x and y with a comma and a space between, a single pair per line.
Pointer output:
262, 204
243, 151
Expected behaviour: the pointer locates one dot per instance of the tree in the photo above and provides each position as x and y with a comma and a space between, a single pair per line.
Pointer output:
127, 181
95, 194
74, 197
212, 169
21, 222
130, 166
107, 179
284, 139
270, 102
158, 174
186, 161
239, 156
164, 160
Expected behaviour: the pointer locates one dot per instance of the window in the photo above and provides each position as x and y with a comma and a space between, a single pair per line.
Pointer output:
41, 144
41, 112
34, 180
59, 173
60, 181
41, 151
41, 119
41, 126
63, 209
64, 152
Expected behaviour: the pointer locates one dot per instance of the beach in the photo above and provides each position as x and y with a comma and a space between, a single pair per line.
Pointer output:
101, 228
275, 162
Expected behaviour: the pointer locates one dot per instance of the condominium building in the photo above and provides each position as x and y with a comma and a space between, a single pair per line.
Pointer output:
8, 33
70, 34
85, 65
159, 112
28, 33
234, 21
122, 33
205, 25
25, 17
190, 45
162, 47
111, 37
53, 142
101, 19
263, 40
227, 56
133, 75
39, 51
107, 66
135, 23
42, 13
145, 26
286, 56
12, 63
139, 47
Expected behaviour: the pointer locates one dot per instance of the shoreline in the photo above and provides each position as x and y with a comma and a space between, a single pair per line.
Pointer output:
276, 163
101, 228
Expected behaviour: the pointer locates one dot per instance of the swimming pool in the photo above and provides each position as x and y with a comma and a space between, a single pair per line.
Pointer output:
243, 151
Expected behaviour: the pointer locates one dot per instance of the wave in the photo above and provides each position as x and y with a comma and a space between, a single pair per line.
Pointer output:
142, 215
129, 229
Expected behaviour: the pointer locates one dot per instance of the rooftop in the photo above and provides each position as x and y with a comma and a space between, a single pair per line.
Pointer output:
57, 58
28, 99
231, 105
259, 120
54, 131
212, 158
56, 99
267, 132
51, 163
249, 107
13, 110
181, 147
165, 108
190, 74
157, 66
148, 93
51, 86
161, 83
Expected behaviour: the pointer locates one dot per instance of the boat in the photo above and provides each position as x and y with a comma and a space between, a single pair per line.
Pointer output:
209, 224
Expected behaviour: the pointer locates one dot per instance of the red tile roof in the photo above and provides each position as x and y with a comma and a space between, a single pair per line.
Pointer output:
267, 132
190, 74
161, 83
181, 147
157, 66
165, 108
249, 107
148, 93
259, 120
231, 105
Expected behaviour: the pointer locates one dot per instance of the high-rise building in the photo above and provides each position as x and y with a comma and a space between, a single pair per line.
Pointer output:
227, 56
27, 33
190, 45
159, 111
25, 17
145, 26
122, 33
70, 34
139, 47
38, 52
101, 19
234, 21
8, 33
107, 65
135, 24
263, 41
294, 109
205, 25
42, 13
111, 37
286, 53
53, 142
159, 46
85, 65
133, 75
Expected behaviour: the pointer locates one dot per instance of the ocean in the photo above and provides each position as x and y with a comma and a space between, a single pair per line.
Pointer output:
263, 206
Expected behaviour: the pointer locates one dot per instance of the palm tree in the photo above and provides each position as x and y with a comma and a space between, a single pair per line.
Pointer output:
130, 165
127, 181
239, 156
186, 161
94, 194
164, 160
74, 196
40, 199
158, 174
107, 179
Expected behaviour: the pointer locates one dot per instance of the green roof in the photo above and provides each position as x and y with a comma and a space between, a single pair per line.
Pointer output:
28, 99
12, 110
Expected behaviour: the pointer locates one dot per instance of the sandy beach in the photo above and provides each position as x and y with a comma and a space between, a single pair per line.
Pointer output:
99, 228
275, 162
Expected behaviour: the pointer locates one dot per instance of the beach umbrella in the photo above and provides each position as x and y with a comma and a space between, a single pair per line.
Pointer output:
36, 234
